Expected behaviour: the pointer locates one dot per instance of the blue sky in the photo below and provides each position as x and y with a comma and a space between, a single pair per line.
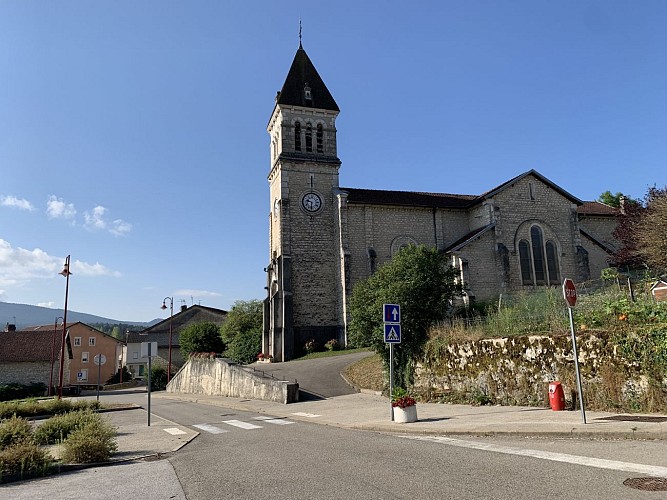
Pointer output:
133, 133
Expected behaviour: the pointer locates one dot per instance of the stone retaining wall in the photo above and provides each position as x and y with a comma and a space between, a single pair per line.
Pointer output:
517, 370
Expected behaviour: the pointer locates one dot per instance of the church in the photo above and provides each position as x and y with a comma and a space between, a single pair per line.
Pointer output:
525, 234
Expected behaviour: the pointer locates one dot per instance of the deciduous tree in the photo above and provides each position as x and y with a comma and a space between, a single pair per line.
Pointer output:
421, 281
201, 337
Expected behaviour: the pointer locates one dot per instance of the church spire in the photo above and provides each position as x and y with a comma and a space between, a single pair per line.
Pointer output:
304, 86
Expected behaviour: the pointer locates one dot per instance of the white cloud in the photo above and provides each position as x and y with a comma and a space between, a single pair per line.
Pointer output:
14, 202
196, 293
56, 208
95, 219
19, 266
120, 227
49, 304
97, 269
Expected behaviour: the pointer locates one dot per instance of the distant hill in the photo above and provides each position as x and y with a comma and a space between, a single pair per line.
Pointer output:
23, 315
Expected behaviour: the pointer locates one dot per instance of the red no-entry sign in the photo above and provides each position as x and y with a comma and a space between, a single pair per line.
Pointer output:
569, 292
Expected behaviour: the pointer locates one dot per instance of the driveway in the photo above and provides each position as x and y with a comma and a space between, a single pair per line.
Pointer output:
318, 378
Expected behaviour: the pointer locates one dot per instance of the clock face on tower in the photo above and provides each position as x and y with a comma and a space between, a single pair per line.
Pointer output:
311, 202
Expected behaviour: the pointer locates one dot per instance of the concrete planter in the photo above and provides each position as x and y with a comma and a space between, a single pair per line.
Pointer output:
405, 415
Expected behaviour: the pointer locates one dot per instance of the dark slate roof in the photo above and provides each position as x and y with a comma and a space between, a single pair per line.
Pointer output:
597, 242
442, 200
461, 242
159, 332
596, 208
301, 72
534, 173
26, 346
407, 198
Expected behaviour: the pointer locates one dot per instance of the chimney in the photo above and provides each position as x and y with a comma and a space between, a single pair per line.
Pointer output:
10, 328
183, 307
622, 204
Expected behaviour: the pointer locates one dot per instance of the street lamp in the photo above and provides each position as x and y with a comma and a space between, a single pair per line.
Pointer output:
171, 313
65, 272
53, 353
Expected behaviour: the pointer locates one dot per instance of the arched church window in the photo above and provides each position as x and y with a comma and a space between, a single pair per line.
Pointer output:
320, 138
525, 263
309, 138
297, 136
538, 255
538, 260
552, 263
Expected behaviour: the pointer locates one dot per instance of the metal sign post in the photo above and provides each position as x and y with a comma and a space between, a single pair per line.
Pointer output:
99, 360
149, 349
391, 315
570, 295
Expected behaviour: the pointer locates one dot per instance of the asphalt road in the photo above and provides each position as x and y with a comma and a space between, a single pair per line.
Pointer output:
317, 378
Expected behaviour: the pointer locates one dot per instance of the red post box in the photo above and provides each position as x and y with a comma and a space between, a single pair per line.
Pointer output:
556, 396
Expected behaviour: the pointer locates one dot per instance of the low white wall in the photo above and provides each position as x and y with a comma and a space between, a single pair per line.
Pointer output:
222, 377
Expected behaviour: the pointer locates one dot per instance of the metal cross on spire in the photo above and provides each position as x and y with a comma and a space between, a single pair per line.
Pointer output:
299, 33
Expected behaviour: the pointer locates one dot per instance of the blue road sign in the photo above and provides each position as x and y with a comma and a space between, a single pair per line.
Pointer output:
392, 333
392, 313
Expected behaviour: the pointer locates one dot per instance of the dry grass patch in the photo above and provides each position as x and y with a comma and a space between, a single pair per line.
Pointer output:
367, 373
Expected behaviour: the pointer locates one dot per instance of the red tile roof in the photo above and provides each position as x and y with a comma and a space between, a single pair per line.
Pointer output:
29, 346
596, 208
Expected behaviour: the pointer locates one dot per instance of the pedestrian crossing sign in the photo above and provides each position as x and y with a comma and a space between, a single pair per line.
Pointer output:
392, 333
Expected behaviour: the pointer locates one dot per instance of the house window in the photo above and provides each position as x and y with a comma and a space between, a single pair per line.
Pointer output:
77, 341
135, 355
297, 136
91, 341
320, 138
309, 138
531, 191
538, 261
84, 357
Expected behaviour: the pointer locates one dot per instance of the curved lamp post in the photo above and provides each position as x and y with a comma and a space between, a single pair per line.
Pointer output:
65, 272
53, 354
171, 313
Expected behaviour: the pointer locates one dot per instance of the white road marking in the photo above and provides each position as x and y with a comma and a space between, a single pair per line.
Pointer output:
273, 420
309, 415
600, 463
241, 425
210, 428
174, 431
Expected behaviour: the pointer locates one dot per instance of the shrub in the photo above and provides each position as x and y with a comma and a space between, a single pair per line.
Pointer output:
91, 443
332, 345
20, 391
158, 378
245, 346
14, 430
310, 346
24, 458
115, 378
58, 428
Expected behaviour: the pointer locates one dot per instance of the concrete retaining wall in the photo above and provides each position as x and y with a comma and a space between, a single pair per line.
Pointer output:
222, 377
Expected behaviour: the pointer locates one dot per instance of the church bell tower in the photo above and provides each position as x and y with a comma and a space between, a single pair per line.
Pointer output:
303, 300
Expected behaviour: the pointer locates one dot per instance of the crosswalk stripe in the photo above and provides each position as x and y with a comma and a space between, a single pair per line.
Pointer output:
210, 428
241, 425
174, 431
274, 420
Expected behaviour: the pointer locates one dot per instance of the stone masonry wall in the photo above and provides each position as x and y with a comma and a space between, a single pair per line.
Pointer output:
518, 370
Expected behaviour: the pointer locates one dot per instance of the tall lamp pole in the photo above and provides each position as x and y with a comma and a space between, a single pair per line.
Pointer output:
65, 272
53, 354
171, 313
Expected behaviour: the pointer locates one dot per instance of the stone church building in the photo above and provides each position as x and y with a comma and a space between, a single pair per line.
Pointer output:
525, 234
